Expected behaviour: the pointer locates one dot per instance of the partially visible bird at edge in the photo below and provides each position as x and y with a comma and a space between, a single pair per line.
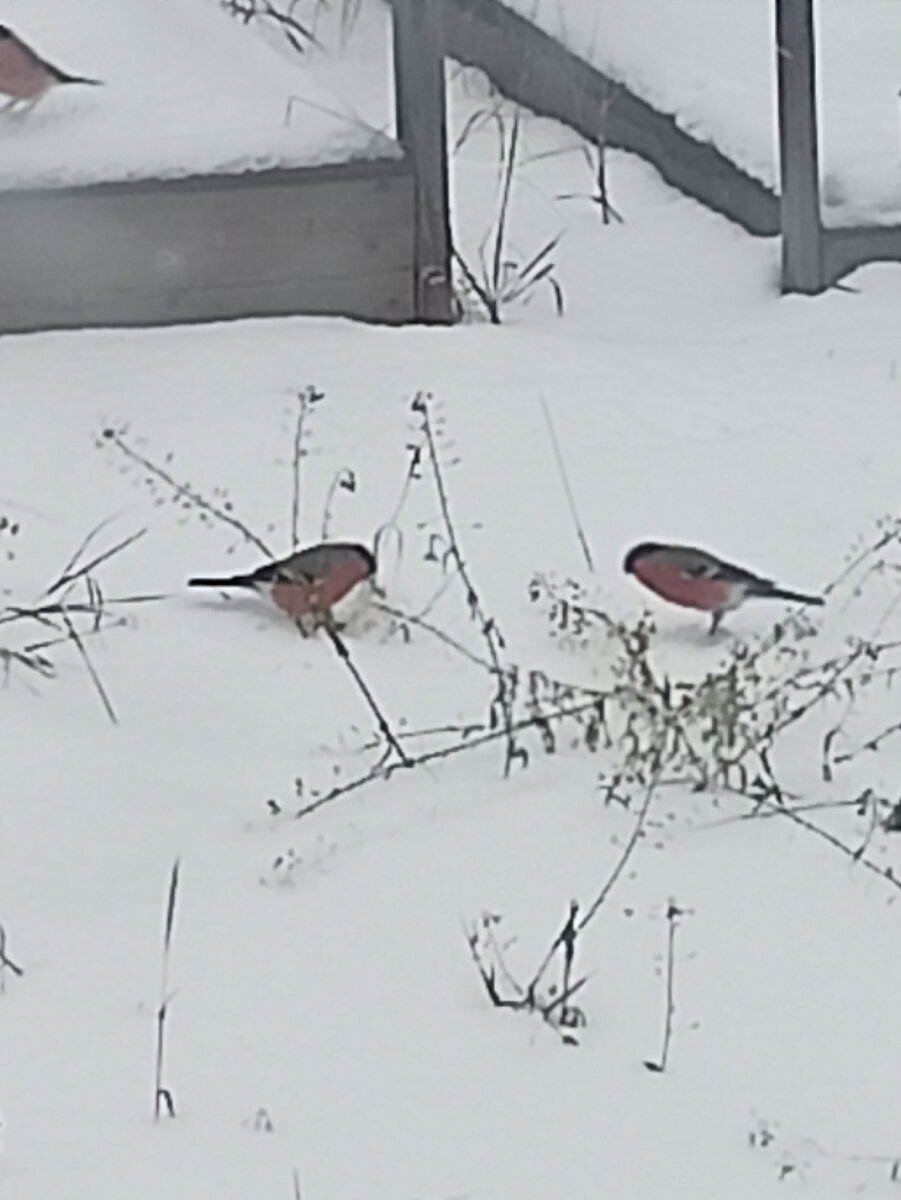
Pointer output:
25, 77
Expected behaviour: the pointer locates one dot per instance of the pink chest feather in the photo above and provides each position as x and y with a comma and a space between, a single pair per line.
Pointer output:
298, 599
20, 76
668, 581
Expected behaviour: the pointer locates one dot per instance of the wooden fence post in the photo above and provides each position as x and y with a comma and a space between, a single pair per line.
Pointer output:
802, 233
422, 131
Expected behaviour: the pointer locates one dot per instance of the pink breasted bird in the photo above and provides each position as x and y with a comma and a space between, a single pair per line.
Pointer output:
695, 579
25, 76
309, 582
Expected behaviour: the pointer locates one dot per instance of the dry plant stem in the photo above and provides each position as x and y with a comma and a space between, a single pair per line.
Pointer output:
344, 478
6, 963
566, 937
504, 282
488, 958
296, 1181
71, 573
885, 539
60, 614
384, 771
488, 626
43, 614
488, 977
427, 627
490, 303
629, 848
25, 658
295, 470
566, 940
779, 808
500, 236
673, 913
413, 474
567, 486
872, 744
344, 654
162, 1095
185, 492
293, 30
104, 524
76, 639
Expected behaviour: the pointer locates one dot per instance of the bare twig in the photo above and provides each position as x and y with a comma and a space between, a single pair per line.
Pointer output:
306, 401
567, 486
78, 642
673, 914
346, 479
491, 634
295, 32
184, 492
72, 573
629, 848
502, 280
162, 1095
382, 721
427, 627
6, 963
490, 963
779, 808
503, 210
382, 771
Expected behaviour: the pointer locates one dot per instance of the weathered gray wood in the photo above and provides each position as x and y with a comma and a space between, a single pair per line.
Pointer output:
422, 131
328, 240
845, 250
802, 251
532, 68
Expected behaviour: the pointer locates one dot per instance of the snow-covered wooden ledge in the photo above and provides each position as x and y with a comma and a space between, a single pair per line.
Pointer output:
209, 179
319, 240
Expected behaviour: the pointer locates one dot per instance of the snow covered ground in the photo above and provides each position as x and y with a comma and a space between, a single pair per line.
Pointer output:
325, 1016
187, 90
713, 66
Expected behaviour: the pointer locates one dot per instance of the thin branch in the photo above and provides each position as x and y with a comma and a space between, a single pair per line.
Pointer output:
783, 810
382, 771
490, 631
70, 575
427, 627
76, 638
673, 913
6, 963
184, 492
344, 654
501, 231
567, 486
81, 549
344, 478
295, 473
628, 849
162, 1095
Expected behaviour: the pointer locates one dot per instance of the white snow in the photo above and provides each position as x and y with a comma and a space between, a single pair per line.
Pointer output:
187, 90
320, 979
712, 65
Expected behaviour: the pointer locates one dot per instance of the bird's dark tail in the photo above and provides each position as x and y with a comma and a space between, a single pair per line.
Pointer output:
771, 592
64, 77
233, 581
